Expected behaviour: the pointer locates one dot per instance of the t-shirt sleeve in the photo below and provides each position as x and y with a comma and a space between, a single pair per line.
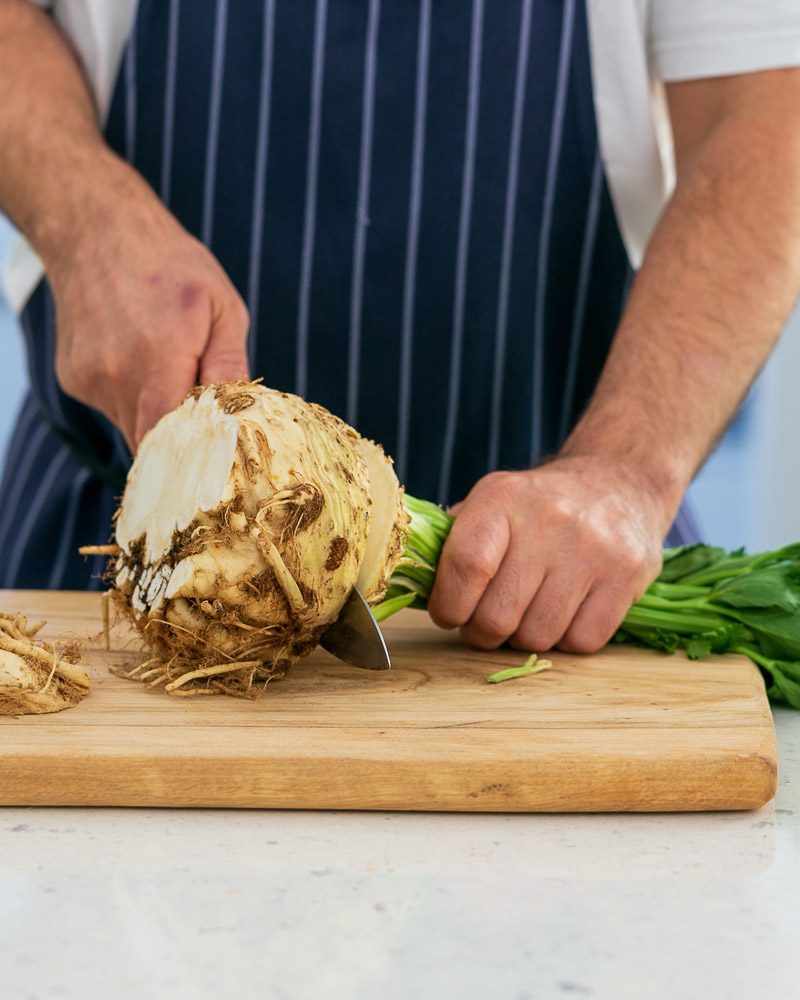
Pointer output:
691, 39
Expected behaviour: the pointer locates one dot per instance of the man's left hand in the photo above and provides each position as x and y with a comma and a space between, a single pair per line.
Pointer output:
550, 557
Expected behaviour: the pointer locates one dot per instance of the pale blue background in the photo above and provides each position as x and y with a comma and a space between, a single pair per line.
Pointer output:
747, 494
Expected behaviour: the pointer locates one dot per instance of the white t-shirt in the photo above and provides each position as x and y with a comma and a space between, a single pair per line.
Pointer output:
636, 46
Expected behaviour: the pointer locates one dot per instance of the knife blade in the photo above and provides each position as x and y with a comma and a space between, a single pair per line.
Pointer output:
355, 636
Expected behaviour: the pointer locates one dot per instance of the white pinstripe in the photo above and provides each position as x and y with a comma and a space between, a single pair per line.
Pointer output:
310, 219
362, 211
21, 481
509, 220
260, 175
130, 97
554, 152
50, 387
41, 495
214, 105
67, 541
582, 290
167, 137
412, 240
464, 222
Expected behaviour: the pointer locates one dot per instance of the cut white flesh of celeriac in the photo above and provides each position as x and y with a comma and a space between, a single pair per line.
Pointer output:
387, 529
15, 672
183, 467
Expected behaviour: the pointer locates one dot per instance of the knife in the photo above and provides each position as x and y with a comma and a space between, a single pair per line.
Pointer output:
355, 636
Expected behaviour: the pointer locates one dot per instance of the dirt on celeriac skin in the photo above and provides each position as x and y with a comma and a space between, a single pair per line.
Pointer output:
270, 565
242, 634
37, 677
197, 657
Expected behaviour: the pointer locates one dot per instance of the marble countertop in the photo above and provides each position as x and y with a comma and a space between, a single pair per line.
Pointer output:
194, 904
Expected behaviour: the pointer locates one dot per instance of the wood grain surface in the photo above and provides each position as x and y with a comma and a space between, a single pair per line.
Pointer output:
623, 730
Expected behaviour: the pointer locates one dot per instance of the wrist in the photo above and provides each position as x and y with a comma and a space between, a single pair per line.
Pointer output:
661, 474
98, 188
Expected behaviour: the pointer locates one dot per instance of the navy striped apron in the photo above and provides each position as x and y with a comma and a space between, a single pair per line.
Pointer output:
410, 198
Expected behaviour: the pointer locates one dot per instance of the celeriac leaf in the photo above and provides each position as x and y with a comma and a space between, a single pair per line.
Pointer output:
790, 689
778, 632
683, 560
769, 587
697, 648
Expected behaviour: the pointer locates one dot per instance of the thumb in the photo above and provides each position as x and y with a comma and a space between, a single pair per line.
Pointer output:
162, 392
225, 356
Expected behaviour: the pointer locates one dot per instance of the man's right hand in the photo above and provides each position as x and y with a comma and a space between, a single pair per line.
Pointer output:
143, 311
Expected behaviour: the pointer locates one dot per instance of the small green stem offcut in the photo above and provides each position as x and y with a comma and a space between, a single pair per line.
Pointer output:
533, 665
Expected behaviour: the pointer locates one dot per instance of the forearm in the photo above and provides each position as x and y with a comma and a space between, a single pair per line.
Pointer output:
56, 172
126, 277
718, 281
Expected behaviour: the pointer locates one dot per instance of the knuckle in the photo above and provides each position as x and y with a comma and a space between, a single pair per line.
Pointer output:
632, 564
585, 640
616, 552
531, 642
538, 635
496, 478
493, 625
638, 562
591, 632
599, 537
444, 614
563, 508
476, 635
472, 566
562, 514
502, 485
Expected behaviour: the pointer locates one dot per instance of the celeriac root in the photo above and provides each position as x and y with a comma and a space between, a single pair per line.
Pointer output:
105, 605
37, 677
99, 550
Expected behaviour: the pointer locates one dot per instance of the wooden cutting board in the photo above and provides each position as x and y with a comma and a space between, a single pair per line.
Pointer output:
623, 730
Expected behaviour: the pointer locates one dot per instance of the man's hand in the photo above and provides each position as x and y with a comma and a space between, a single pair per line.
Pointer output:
553, 556
143, 312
